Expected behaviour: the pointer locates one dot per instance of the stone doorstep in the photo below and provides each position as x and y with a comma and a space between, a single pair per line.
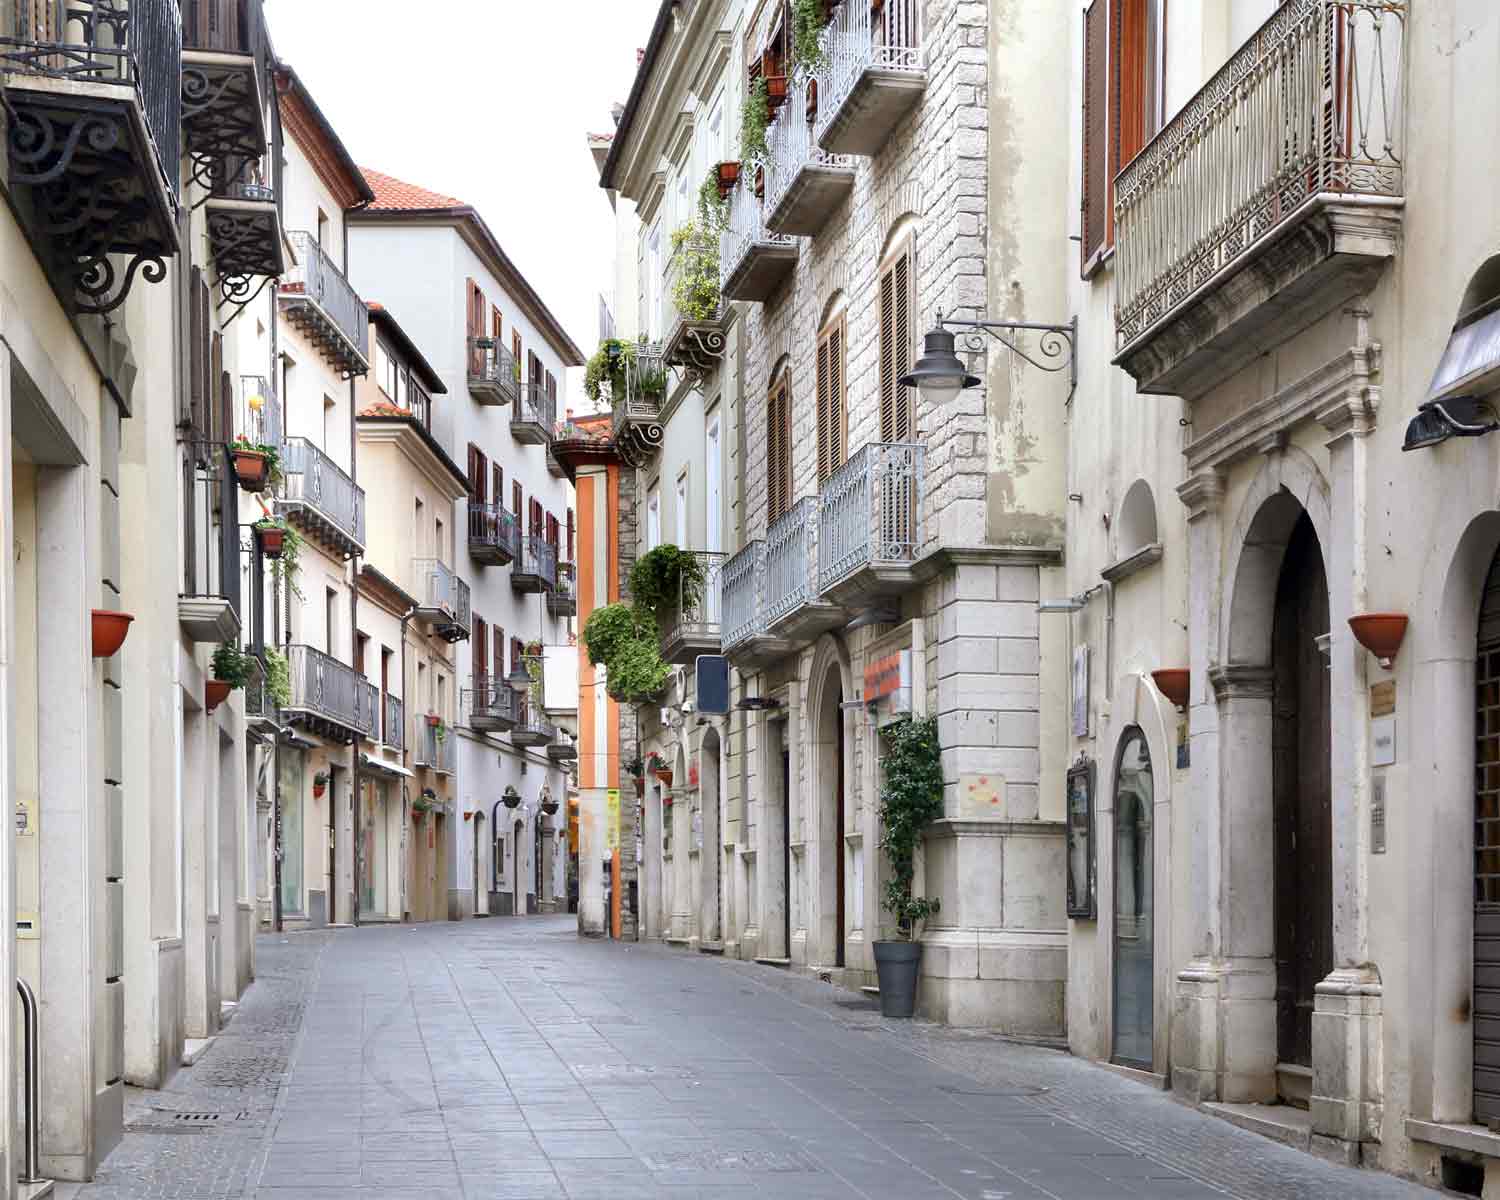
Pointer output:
195, 1048
1279, 1122
1136, 1074
774, 962
37, 1191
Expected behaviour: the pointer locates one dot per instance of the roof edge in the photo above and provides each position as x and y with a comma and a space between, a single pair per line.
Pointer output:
637, 90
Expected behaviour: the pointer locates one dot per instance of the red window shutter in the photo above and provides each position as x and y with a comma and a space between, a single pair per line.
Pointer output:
570, 535
480, 636
551, 530
515, 495
515, 346
497, 326
497, 484
471, 323
498, 652
1098, 221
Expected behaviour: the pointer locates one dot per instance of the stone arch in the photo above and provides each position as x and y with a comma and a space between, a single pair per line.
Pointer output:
1288, 484
1135, 527
897, 230
837, 303
1483, 286
830, 682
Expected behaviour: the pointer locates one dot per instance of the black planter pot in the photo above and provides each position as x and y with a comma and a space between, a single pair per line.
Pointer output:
896, 966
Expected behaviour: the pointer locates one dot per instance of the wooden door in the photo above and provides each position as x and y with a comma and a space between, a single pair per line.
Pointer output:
1302, 813
1486, 1000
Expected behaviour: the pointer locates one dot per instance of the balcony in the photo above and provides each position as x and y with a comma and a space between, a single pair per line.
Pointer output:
753, 261
443, 599
562, 748
223, 82
637, 414
535, 566
532, 727
744, 638
869, 523
562, 597
491, 704
534, 415
393, 723
494, 534
554, 464
796, 612
696, 332
319, 496
437, 753
494, 375
328, 698
876, 74
805, 184
94, 114
1273, 198
693, 626
258, 412
320, 302
243, 221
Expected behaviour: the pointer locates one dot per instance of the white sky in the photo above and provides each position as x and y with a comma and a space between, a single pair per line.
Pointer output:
489, 101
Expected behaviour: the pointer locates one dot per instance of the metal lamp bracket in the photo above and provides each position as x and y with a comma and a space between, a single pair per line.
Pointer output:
1056, 347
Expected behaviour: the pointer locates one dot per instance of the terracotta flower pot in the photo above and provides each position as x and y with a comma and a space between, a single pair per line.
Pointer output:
215, 692
108, 632
272, 541
664, 776
1380, 633
318, 790
1174, 683
251, 468
434, 721
729, 172
776, 90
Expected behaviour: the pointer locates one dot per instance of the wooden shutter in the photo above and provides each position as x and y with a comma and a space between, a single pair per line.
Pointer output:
497, 326
498, 654
475, 318
552, 530
217, 430
895, 346
515, 495
778, 452
533, 367
481, 649
571, 529
198, 354
534, 522
497, 484
478, 473
1098, 220
515, 346
833, 416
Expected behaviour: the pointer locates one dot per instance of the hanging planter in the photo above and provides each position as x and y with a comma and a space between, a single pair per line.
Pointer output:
215, 692
251, 469
108, 632
1380, 633
320, 784
272, 538
728, 173
510, 797
549, 807
1173, 683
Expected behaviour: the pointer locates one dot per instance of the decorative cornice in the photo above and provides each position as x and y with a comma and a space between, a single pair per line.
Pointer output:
1238, 681
1202, 492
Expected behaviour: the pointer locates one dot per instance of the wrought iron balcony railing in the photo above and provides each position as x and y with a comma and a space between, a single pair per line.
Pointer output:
875, 73
535, 566
320, 495
494, 534
804, 182
393, 727
753, 259
329, 697
692, 626
532, 727
443, 598
869, 512
744, 595
494, 377
93, 92
1311, 106
792, 559
438, 753
695, 335
321, 302
491, 704
562, 596
636, 416
244, 229
534, 416
259, 411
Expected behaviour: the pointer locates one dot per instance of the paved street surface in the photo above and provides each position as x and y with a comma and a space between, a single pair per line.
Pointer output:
507, 1059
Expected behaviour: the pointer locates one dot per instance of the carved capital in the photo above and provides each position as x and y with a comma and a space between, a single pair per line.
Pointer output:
1351, 415
1202, 492
1238, 681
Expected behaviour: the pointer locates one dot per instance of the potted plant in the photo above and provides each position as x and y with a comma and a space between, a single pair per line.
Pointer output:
232, 668
510, 797
320, 784
667, 579
256, 464
270, 533
910, 800
728, 174
658, 767
549, 806
278, 677
433, 720
107, 632
809, 17
755, 119
440, 731
425, 802
285, 566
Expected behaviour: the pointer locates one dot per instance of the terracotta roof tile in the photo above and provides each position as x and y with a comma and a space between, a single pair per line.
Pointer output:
395, 195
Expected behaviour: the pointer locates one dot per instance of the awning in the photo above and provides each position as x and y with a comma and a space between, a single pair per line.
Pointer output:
1470, 365
381, 767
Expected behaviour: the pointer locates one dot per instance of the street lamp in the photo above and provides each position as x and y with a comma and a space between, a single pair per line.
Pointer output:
940, 374
1458, 416
519, 679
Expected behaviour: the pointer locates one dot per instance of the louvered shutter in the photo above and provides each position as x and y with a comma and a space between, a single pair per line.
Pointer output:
216, 430
887, 306
895, 347
480, 646
198, 359
516, 497
515, 347
778, 454
825, 454
838, 422
552, 530
571, 531
1097, 219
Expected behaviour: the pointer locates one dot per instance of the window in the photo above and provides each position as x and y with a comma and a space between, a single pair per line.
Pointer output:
515, 497
479, 474
480, 645
439, 541
474, 310
515, 346
712, 486
497, 484
330, 622
534, 517
1123, 106
571, 530
653, 518
833, 417
387, 656
896, 304
497, 652
779, 450
682, 511
552, 531
330, 405
389, 375
497, 326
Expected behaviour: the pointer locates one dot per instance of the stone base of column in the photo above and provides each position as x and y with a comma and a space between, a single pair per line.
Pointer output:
1010, 981
1224, 1031
460, 904
1347, 1100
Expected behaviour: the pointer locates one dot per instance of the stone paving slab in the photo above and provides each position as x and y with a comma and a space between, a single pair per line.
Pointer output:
508, 1060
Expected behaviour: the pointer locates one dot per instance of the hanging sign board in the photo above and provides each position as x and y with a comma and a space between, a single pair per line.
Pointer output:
612, 819
889, 678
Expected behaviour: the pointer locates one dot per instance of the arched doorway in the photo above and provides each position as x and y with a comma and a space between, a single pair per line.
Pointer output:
481, 893
711, 898
1302, 810
1134, 903
830, 785
1486, 1000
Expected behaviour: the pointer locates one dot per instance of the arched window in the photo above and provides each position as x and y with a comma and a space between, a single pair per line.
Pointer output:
1136, 528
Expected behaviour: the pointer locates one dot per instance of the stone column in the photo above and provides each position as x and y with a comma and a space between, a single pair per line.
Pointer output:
683, 921
770, 849
1196, 841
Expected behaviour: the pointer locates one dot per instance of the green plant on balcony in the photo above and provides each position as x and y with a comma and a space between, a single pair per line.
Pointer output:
636, 673
713, 205
809, 18
233, 666
665, 579
755, 119
910, 800
278, 677
695, 286
609, 627
608, 364
286, 568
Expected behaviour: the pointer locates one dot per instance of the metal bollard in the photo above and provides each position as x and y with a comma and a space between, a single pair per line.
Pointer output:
33, 1085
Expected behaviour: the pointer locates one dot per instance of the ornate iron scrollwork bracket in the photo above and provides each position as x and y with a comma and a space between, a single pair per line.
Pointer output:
1056, 346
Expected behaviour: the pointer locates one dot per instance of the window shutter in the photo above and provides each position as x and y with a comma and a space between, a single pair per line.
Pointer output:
895, 347
497, 484
470, 288
515, 346
498, 653
824, 435
497, 326
515, 495
778, 456
832, 418
215, 373
571, 530
481, 649
198, 365
1097, 219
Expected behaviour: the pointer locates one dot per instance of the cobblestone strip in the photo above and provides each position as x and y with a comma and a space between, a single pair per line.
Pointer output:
205, 1134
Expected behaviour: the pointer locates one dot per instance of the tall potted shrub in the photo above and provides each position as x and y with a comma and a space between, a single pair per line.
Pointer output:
910, 800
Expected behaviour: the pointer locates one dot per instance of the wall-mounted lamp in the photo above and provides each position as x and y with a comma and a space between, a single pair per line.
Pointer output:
1458, 416
940, 374
1069, 604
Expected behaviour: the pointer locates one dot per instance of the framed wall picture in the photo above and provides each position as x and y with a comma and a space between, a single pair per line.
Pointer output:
1081, 858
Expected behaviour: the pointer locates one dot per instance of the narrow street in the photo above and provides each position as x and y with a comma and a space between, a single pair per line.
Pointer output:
508, 1059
